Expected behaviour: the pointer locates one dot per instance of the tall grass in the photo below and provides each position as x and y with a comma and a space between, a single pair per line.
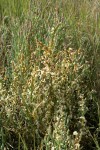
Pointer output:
49, 75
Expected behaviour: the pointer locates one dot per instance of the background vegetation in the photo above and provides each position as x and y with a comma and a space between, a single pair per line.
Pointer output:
49, 75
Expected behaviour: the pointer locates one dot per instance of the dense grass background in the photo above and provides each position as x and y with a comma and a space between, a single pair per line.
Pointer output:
49, 75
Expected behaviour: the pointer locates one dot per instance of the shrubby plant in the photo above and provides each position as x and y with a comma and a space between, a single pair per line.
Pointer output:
49, 76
